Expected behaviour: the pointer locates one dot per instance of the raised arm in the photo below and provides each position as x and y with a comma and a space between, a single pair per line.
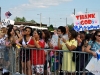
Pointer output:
73, 46
88, 49
36, 43
59, 44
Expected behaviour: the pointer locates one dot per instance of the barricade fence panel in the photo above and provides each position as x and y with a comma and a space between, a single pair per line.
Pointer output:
33, 61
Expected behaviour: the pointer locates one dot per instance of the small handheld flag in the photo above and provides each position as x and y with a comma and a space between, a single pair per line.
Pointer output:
8, 14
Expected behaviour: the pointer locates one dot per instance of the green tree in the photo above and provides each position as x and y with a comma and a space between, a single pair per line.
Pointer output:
18, 19
51, 28
71, 26
23, 19
33, 21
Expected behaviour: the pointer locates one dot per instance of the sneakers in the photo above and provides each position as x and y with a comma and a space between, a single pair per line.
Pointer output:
5, 71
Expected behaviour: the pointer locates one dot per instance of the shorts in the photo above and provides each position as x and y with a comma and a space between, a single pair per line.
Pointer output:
25, 55
38, 69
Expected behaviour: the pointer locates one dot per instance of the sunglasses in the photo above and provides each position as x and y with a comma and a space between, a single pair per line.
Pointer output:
98, 35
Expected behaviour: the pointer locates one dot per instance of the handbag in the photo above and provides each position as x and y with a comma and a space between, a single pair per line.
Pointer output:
75, 56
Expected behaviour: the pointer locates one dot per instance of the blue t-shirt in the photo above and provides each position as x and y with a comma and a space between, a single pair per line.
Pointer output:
94, 45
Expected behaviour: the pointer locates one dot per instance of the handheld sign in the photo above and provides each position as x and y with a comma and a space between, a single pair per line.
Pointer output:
87, 21
6, 22
94, 64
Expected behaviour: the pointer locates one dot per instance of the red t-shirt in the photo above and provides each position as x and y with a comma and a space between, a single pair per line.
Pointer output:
38, 56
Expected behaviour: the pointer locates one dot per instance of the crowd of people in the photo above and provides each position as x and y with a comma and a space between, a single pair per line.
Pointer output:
60, 44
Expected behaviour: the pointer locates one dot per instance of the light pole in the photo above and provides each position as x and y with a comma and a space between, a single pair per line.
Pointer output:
49, 21
40, 18
66, 21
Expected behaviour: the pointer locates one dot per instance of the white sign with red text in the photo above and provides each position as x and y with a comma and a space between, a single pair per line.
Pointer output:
87, 21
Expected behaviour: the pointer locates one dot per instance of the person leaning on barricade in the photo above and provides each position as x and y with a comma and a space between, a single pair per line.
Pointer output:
54, 55
81, 58
9, 41
78, 57
47, 38
37, 56
94, 45
25, 51
2, 49
63, 34
17, 47
68, 65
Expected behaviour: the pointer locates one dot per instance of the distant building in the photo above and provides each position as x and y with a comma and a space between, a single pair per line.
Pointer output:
36, 26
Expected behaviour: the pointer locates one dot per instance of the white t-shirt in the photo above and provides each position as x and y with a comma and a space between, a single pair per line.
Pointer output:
54, 40
2, 41
65, 36
25, 43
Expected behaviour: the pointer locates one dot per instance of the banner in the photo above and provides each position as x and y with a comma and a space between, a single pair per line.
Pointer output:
94, 65
87, 21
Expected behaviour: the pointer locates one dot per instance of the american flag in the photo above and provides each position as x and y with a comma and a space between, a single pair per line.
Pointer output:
8, 14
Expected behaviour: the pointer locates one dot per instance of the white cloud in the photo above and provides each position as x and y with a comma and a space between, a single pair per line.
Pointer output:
38, 4
47, 2
72, 15
32, 5
80, 12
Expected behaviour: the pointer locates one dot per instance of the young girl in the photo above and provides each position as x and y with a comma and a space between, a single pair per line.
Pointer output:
47, 38
37, 56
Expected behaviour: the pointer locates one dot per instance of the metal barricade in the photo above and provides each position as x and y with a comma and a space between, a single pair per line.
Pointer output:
2, 49
32, 61
5, 59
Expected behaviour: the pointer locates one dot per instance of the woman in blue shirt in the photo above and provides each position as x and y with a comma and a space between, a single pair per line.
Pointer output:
94, 45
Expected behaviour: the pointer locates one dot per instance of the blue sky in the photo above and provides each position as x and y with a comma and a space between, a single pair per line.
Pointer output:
57, 10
